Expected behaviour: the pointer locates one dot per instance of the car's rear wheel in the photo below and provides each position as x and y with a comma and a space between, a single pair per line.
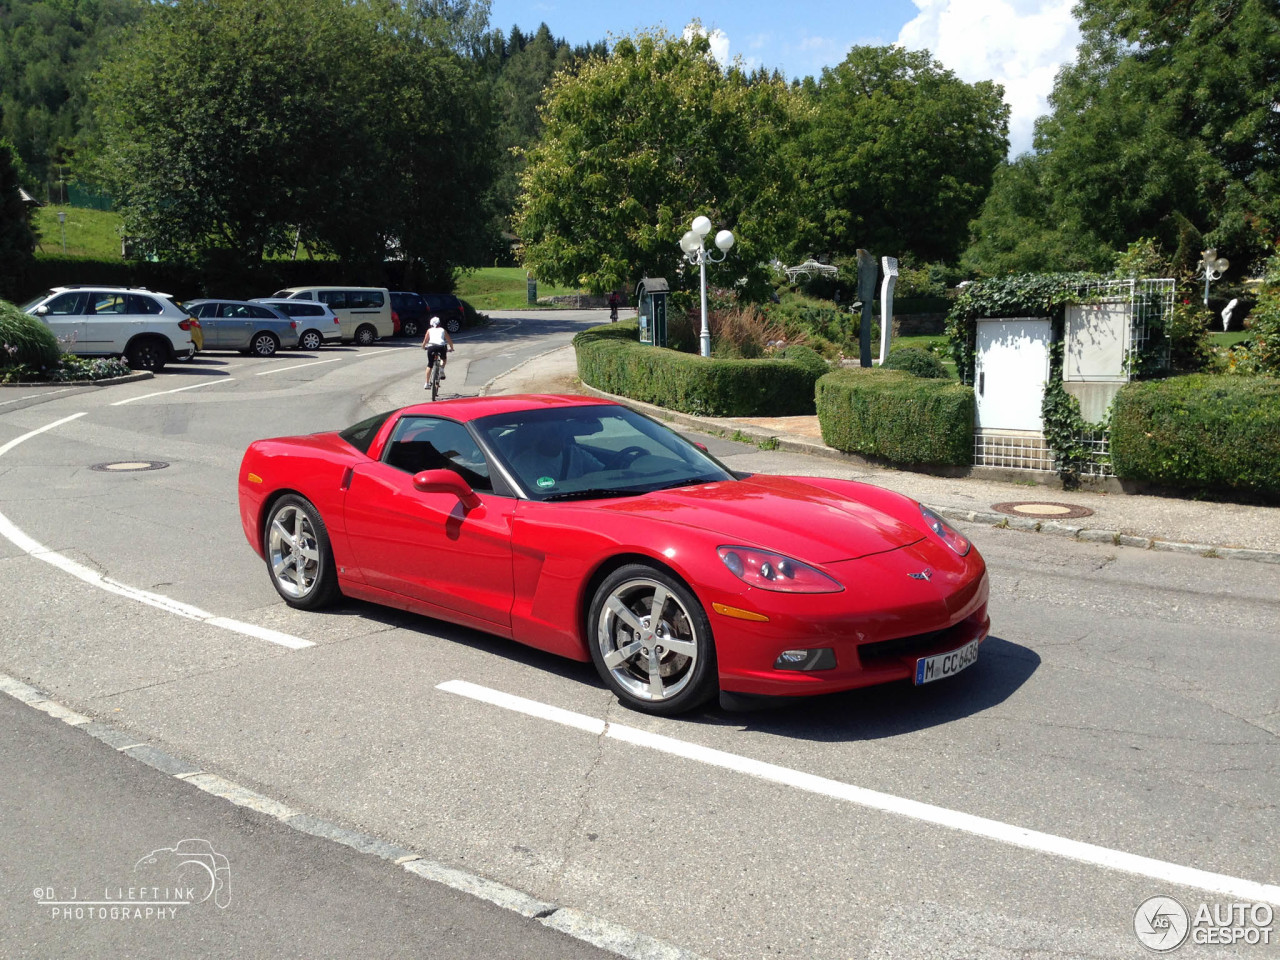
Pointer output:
409, 328
299, 556
651, 641
310, 340
366, 335
453, 324
147, 353
264, 345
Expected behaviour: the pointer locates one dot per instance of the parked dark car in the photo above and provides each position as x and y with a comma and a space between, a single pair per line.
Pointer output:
416, 309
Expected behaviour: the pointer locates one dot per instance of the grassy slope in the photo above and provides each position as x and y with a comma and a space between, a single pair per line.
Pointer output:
501, 288
90, 233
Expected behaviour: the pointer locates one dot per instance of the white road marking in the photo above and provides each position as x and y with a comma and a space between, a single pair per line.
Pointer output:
298, 366
161, 393
50, 393
34, 548
928, 813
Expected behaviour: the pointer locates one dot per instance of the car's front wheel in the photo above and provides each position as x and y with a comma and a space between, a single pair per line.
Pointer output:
310, 340
651, 641
264, 345
409, 328
299, 556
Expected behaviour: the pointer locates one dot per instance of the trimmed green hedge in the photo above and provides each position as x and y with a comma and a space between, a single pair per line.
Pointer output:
611, 358
1200, 432
897, 417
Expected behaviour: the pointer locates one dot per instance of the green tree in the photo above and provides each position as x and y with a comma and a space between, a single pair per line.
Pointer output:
48, 50
901, 153
1166, 126
635, 145
17, 241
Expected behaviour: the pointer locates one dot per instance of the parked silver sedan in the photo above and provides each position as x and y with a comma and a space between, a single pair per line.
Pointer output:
239, 325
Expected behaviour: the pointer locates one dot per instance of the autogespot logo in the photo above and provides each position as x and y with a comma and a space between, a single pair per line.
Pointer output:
1161, 924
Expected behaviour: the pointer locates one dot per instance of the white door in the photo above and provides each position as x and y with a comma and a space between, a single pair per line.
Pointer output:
1010, 372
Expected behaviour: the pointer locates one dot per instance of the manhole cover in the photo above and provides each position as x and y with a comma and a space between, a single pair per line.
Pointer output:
129, 466
1042, 510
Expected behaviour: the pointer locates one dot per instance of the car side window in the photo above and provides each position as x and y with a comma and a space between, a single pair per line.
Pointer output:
262, 313
334, 298
430, 443
68, 304
108, 303
145, 306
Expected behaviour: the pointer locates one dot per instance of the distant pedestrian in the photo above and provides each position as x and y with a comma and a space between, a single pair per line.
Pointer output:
614, 300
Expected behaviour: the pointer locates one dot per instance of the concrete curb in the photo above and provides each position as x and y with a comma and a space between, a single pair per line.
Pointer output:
604, 934
110, 381
815, 448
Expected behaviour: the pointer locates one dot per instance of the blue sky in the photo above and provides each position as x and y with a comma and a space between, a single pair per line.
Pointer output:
1018, 43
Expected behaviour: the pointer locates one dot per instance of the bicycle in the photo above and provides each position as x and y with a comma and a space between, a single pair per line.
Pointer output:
433, 378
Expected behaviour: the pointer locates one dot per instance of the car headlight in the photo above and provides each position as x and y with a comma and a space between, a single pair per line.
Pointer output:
773, 571
946, 533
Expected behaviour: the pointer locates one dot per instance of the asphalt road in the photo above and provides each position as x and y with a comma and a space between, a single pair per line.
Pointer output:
1125, 706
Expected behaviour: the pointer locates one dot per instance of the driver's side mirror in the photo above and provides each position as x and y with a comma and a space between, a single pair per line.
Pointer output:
446, 481
42, 310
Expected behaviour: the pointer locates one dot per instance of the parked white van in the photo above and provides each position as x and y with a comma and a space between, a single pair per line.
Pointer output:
364, 313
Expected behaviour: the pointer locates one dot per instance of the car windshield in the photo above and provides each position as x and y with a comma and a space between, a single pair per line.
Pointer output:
30, 304
594, 452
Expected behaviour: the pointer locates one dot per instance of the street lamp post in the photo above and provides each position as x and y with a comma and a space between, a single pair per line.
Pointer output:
1214, 267
694, 251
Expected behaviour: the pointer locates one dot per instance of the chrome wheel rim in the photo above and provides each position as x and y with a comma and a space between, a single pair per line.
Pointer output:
293, 551
364, 337
647, 640
264, 346
311, 340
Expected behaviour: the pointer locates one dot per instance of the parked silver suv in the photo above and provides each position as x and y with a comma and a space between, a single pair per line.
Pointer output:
144, 326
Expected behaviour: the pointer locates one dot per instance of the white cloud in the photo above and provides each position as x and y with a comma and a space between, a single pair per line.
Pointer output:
718, 38
1017, 43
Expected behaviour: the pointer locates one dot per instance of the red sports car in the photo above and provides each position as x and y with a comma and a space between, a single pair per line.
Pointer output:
578, 526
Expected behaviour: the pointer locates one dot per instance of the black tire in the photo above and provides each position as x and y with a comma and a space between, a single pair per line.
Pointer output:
365, 336
625, 651
295, 530
310, 340
409, 328
435, 380
147, 353
453, 325
264, 345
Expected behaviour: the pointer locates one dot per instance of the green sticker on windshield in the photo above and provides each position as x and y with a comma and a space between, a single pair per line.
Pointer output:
546, 482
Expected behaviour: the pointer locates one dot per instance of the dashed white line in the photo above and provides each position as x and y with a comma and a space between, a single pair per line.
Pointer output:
298, 366
39, 551
161, 393
928, 813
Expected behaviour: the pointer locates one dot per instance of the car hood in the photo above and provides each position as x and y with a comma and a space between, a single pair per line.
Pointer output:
779, 513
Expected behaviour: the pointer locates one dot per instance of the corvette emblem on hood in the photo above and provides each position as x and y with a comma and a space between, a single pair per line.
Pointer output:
925, 574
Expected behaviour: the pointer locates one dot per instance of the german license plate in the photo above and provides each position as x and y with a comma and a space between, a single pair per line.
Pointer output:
943, 665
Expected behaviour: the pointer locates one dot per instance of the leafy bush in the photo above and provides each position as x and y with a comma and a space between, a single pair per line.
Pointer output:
1200, 432
612, 359
917, 362
897, 417
1262, 353
807, 357
744, 333
24, 340
817, 319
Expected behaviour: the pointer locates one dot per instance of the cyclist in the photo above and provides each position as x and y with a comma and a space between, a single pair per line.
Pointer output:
434, 342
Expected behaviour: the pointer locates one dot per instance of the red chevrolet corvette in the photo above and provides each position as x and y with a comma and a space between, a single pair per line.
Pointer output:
580, 527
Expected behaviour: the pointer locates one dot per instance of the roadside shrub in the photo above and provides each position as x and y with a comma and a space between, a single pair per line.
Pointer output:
917, 362
611, 358
817, 318
25, 341
806, 356
1202, 433
1262, 353
896, 417
745, 332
